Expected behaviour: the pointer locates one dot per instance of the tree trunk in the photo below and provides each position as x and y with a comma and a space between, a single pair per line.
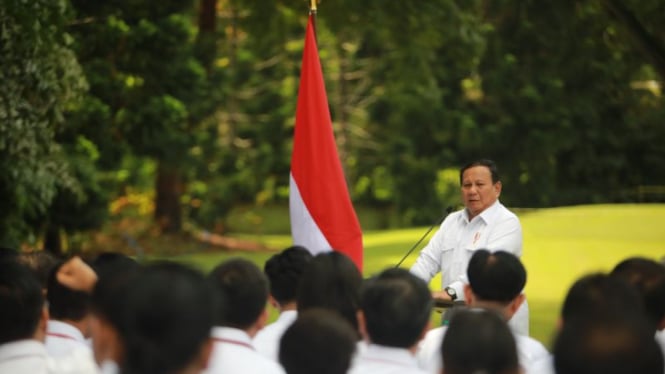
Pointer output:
53, 240
168, 189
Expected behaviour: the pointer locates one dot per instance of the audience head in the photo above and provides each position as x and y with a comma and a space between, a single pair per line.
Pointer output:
320, 341
167, 320
22, 303
64, 303
41, 263
284, 270
396, 307
244, 289
599, 294
116, 275
496, 276
496, 281
607, 344
648, 276
479, 341
331, 281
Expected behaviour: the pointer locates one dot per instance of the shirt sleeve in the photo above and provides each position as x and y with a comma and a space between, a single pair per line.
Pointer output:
428, 263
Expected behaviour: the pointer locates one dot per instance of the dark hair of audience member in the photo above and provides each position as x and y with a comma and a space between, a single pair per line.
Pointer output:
168, 318
498, 276
607, 344
21, 301
397, 306
320, 341
331, 281
648, 276
244, 289
599, 294
115, 277
284, 270
41, 263
479, 341
63, 302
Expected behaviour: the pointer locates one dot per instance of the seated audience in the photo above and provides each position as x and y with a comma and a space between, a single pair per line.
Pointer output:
595, 296
648, 276
607, 344
69, 323
168, 314
479, 341
319, 342
244, 291
395, 311
284, 271
331, 281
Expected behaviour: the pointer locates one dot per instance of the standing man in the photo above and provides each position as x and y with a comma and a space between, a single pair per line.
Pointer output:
483, 223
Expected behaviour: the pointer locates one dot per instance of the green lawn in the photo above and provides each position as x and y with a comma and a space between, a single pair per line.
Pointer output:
560, 245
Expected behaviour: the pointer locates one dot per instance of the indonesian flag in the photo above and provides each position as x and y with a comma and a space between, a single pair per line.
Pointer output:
322, 216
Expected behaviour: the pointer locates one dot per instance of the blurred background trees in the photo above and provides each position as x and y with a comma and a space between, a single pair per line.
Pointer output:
190, 105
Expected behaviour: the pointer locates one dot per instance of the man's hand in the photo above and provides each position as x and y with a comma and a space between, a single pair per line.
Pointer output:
77, 275
441, 295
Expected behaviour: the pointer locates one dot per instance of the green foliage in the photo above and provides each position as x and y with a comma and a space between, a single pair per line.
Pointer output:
40, 78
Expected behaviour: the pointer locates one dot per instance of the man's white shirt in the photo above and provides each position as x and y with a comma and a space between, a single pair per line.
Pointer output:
267, 339
378, 359
234, 352
428, 355
452, 246
63, 338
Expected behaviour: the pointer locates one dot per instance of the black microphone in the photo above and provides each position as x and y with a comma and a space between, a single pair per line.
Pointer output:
437, 223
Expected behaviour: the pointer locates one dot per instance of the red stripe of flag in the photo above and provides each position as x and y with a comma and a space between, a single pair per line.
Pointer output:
316, 170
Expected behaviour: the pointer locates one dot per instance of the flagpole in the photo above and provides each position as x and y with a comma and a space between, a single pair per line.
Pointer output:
312, 12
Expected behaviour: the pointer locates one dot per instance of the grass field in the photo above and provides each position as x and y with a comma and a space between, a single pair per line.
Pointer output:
560, 245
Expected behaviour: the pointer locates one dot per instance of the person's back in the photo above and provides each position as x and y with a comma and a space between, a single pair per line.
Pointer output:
22, 321
284, 271
591, 297
69, 323
648, 277
243, 288
320, 342
395, 311
607, 345
166, 321
479, 341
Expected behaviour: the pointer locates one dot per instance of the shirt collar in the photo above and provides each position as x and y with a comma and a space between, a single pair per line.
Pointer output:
230, 333
392, 355
486, 215
288, 316
56, 328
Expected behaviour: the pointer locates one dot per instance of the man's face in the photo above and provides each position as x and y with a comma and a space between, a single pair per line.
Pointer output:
478, 191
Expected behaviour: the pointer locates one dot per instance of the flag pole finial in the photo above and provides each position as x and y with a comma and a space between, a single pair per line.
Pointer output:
312, 5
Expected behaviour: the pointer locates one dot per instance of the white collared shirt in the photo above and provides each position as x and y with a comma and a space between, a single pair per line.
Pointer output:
379, 359
23, 357
63, 338
29, 357
233, 353
266, 341
452, 246
450, 249
428, 355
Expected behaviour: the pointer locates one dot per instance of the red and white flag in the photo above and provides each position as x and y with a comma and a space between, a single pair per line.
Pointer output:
322, 216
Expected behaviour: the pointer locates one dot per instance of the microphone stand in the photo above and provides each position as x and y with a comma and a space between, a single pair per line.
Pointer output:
438, 223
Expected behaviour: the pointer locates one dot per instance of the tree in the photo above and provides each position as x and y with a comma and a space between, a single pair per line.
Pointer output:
40, 78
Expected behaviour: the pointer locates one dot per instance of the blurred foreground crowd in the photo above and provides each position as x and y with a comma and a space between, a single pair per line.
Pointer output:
114, 315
